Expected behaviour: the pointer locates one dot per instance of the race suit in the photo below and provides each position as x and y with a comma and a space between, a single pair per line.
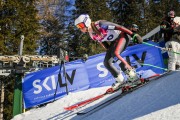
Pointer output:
117, 36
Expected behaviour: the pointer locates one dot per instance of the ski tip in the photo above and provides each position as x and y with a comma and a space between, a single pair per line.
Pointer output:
70, 108
66, 108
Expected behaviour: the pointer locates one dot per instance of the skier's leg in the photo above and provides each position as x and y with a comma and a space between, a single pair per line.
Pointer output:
176, 48
171, 64
172, 56
178, 57
119, 81
108, 63
127, 69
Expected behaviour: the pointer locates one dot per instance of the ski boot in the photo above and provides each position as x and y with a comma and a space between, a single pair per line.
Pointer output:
132, 76
117, 85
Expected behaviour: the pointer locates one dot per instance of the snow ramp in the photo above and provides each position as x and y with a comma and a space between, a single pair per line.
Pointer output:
158, 100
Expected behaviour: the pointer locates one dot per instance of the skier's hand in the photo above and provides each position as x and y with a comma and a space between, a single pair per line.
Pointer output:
136, 38
128, 67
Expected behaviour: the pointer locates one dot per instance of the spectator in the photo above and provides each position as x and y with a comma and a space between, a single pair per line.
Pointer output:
134, 28
170, 26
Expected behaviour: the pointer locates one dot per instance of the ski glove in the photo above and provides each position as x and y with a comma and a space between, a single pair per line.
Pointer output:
136, 38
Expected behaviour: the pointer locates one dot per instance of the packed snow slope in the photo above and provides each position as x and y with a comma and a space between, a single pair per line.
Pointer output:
158, 100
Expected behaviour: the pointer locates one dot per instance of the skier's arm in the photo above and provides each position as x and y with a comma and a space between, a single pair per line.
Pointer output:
112, 26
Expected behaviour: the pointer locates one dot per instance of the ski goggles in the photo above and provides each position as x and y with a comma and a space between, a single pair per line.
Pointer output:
80, 25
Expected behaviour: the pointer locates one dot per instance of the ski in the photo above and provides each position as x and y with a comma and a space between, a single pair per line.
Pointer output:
109, 101
88, 101
105, 103
70, 108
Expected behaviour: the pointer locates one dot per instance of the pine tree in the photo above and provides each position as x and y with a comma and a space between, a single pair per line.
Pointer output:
51, 37
155, 12
146, 14
17, 17
52, 21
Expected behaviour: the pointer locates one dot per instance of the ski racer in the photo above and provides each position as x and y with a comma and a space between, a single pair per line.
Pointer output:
106, 32
170, 26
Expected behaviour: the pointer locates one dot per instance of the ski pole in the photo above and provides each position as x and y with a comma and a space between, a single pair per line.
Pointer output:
153, 66
159, 47
145, 64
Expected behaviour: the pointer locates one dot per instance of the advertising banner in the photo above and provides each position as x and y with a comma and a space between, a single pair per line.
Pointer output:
40, 87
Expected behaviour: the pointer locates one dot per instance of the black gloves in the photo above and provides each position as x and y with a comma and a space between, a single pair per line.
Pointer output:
136, 38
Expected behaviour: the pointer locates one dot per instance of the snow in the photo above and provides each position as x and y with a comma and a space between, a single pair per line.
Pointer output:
158, 100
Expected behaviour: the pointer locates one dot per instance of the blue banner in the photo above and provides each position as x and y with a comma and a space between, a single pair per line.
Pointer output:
39, 87
135, 55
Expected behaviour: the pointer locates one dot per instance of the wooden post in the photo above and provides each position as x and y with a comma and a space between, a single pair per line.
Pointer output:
2, 100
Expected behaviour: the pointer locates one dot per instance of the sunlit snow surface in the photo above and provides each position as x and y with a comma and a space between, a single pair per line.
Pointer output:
158, 100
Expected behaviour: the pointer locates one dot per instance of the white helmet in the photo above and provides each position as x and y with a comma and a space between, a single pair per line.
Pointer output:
84, 18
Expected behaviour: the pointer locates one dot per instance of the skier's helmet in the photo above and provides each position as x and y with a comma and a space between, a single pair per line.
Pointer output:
83, 21
171, 14
135, 26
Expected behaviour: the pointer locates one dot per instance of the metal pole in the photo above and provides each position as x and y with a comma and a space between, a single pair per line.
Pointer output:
21, 45
17, 103
65, 77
